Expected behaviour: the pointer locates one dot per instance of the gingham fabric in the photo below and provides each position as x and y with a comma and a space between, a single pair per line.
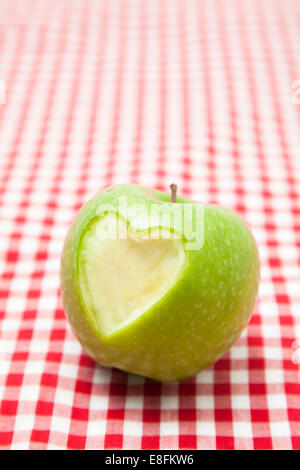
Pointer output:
202, 93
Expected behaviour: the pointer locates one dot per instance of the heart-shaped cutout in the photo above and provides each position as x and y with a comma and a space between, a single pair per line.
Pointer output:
123, 273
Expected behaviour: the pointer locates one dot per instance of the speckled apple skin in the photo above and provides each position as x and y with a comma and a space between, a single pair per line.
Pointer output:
197, 320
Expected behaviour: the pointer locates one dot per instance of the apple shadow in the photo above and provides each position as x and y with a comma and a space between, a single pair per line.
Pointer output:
123, 383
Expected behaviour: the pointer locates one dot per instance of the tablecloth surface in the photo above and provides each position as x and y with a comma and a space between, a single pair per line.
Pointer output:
93, 93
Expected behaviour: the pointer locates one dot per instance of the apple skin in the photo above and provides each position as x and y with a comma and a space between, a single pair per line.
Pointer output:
196, 321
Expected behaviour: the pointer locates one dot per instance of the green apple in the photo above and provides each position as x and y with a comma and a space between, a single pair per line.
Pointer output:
156, 287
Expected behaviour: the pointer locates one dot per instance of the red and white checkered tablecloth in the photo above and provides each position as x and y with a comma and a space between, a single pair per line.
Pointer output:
198, 92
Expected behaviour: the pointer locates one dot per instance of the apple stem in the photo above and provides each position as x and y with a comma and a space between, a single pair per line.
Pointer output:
173, 188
